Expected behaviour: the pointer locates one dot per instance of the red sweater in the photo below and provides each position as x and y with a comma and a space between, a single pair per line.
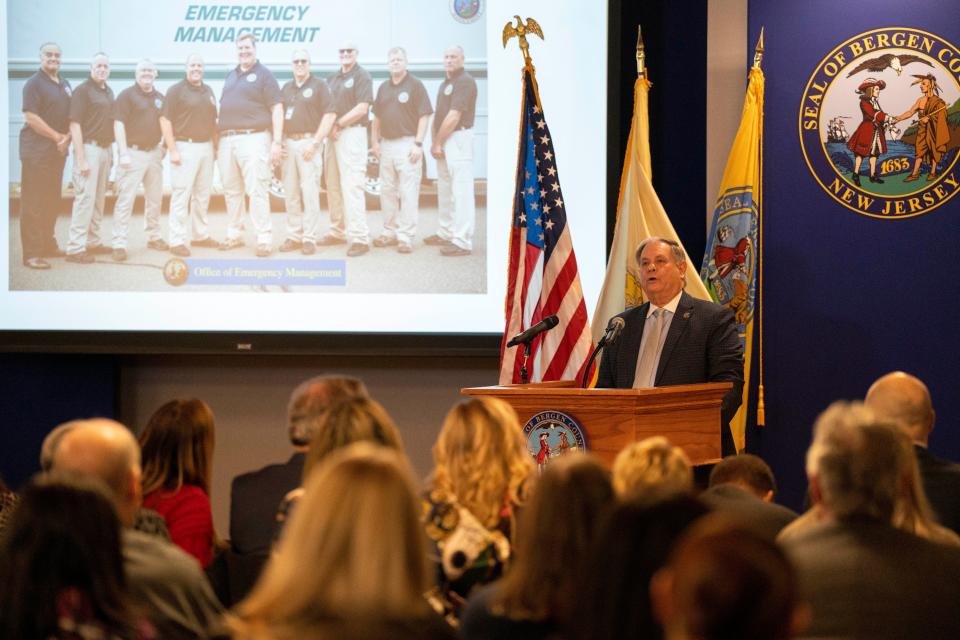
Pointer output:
189, 519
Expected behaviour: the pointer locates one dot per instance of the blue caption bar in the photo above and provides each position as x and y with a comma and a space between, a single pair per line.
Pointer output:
278, 272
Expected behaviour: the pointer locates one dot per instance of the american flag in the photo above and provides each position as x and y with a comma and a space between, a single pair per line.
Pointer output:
543, 279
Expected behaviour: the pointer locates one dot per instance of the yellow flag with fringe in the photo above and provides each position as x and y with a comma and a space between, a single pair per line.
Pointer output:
731, 262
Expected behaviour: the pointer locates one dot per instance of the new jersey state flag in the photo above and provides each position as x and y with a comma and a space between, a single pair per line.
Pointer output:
730, 261
640, 215
543, 278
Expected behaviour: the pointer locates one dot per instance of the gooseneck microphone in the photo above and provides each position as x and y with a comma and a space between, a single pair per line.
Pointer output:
544, 325
614, 328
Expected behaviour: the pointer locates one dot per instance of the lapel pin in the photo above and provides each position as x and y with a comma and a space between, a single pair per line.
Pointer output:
686, 315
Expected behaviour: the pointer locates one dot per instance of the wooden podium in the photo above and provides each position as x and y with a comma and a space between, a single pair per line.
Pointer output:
687, 415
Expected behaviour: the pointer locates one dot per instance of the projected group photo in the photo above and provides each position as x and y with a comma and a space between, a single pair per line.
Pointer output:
290, 148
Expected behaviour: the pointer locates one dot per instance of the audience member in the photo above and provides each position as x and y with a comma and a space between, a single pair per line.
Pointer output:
345, 422
162, 578
62, 569
743, 487
177, 446
554, 530
351, 564
911, 513
631, 544
481, 465
651, 466
903, 399
723, 581
146, 520
254, 496
863, 577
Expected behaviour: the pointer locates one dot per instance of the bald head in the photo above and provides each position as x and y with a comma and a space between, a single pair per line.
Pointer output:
903, 399
106, 450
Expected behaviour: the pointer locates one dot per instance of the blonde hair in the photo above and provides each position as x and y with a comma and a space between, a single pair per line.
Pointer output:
651, 464
912, 511
357, 419
177, 446
354, 548
481, 459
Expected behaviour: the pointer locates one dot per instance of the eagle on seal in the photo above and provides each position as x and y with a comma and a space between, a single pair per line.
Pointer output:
888, 61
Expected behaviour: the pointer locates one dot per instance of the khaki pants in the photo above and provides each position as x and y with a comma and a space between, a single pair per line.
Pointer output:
145, 167
244, 162
89, 195
190, 184
348, 209
455, 197
301, 188
399, 189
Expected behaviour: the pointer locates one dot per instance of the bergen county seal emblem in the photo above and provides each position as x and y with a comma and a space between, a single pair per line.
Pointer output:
551, 434
175, 272
466, 11
880, 122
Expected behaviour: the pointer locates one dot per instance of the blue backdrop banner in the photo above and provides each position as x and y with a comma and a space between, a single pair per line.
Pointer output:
861, 212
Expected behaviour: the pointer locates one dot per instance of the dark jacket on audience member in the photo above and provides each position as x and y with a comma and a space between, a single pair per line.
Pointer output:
866, 579
941, 482
479, 623
766, 518
254, 498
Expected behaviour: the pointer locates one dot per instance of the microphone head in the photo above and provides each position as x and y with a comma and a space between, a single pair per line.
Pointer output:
614, 328
551, 321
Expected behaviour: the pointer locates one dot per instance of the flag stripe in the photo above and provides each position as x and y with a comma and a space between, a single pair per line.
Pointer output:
543, 278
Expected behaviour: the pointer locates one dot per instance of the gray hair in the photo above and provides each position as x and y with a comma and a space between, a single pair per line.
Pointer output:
310, 400
247, 35
858, 461
50, 44
400, 50
293, 56
191, 57
678, 255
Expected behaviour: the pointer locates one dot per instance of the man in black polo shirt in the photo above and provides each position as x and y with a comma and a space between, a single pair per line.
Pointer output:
308, 118
91, 127
401, 114
352, 90
453, 148
251, 106
189, 125
136, 126
44, 142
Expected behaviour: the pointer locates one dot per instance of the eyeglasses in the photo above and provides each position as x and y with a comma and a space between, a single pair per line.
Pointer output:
343, 51
300, 61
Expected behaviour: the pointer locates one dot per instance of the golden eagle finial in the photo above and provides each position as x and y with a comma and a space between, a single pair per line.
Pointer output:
521, 30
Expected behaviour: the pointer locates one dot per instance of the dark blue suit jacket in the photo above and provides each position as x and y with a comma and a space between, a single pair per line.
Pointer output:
254, 498
702, 345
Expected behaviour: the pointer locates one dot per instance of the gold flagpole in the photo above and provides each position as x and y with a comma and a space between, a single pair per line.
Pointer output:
761, 406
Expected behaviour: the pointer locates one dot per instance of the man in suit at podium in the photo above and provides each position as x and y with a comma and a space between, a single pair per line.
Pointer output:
674, 338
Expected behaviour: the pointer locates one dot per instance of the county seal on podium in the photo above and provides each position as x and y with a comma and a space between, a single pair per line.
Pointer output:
551, 434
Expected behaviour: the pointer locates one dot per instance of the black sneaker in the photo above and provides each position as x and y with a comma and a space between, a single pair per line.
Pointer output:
80, 258
329, 240
159, 245
98, 250
357, 249
290, 245
436, 241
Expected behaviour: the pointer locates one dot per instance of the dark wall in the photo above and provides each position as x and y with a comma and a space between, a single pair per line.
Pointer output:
40, 392
675, 41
